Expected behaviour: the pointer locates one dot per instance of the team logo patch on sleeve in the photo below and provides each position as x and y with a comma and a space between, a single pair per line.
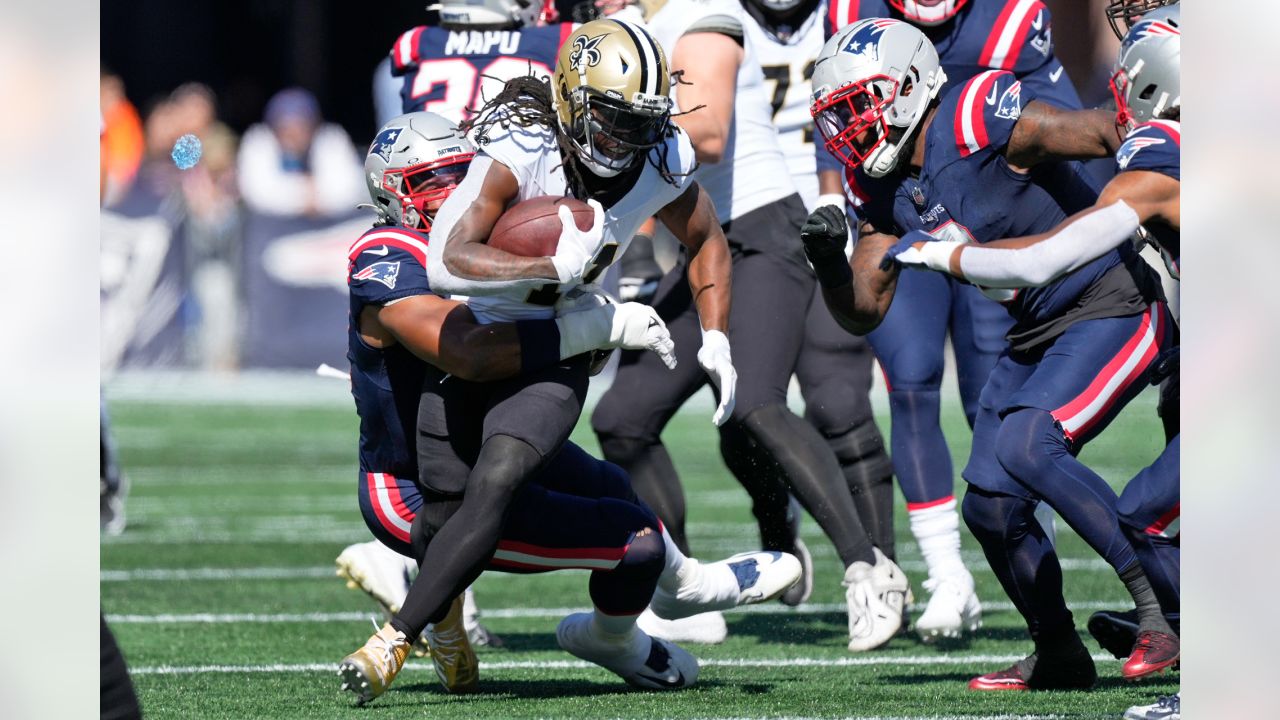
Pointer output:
1131, 148
1010, 107
383, 272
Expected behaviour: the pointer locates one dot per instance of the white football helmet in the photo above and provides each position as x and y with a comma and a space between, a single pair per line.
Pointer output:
493, 14
872, 85
415, 161
1147, 80
928, 12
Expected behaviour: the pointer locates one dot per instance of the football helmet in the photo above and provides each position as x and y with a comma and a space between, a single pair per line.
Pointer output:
872, 85
928, 12
415, 161
1147, 79
1128, 12
612, 94
494, 14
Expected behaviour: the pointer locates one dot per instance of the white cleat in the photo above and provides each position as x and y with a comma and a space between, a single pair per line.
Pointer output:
1166, 708
642, 661
953, 609
877, 597
382, 573
479, 635
705, 628
744, 579
799, 593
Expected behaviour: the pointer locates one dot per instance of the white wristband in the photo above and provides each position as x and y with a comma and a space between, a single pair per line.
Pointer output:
830, 199
585, 330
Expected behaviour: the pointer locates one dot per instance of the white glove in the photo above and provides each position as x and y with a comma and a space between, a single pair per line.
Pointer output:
934, 255
630, 326
576, 247
715, 359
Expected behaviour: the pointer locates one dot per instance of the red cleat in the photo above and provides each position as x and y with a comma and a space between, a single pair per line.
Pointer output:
1072, 670
1152, 653
1010, 678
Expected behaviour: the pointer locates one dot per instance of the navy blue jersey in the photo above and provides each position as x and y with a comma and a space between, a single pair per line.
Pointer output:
384, 265
1013, 35
967, 191
1156, 147
453, 72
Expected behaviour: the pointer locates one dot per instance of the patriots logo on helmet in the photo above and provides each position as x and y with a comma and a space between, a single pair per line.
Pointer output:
1145, 29
865, 41
585, 52
1131, 148
1010, 107
383, 143
383, 272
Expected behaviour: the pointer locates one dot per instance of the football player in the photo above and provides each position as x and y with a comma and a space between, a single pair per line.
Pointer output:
971, 36
603, 134
725, 111
1145, 191
578, 513
450, 70
1081, 347
834, 367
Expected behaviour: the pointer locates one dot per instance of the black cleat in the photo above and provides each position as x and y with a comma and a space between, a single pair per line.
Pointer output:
1116, 631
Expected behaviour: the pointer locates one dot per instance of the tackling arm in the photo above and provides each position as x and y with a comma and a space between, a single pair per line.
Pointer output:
1044, 133
692, 219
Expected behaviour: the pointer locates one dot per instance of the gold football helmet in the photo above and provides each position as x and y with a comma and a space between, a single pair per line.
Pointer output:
612, 94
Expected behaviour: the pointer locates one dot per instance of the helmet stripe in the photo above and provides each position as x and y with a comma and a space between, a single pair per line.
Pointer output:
648, 85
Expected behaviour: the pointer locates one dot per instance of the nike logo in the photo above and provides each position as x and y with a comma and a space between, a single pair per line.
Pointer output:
1053, 76
380, 252
677, 683
991, 99
1038, 23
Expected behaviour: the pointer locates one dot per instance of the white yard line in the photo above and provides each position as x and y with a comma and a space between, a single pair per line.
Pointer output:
517, 613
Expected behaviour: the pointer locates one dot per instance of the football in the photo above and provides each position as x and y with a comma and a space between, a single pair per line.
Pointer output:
532, 228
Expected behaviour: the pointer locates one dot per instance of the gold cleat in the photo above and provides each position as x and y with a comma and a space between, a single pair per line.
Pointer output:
451, 652
369, 671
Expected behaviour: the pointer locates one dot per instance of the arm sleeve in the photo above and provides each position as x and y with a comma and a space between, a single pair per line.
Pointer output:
1071, 247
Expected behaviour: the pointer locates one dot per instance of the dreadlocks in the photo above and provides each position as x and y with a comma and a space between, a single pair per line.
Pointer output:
526, 101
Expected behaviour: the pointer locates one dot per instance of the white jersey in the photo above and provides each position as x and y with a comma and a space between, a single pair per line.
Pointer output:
531, 154
753, 172
788, 76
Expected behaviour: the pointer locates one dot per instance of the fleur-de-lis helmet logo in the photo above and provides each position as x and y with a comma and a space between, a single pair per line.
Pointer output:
585, 53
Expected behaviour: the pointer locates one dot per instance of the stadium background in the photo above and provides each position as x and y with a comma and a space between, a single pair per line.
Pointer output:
219, 589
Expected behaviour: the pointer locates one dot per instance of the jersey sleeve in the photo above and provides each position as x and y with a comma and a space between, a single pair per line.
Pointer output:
386, 265
1021, 38
986, 111
1154, 147
406, 51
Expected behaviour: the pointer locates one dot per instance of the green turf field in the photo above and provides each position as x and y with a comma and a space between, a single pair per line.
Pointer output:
222, 595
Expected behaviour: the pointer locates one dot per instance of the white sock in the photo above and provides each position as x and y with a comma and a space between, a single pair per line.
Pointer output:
1044, 514
613, 625
671, 577
937, 532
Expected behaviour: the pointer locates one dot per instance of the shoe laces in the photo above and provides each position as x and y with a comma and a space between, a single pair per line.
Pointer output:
1170, 702
385, 647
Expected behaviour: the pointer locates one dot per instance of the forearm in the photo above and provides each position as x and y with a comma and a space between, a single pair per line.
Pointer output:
872, 288
1045, 133
471, 260
710, 279
1039, 260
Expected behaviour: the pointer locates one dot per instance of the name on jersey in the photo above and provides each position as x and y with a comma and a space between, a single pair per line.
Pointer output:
475, 42
383, 272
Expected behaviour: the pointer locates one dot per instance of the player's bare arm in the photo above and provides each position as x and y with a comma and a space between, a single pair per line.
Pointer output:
692, 219
708, 65
872, 287
1045, 133
465, 253
444, 333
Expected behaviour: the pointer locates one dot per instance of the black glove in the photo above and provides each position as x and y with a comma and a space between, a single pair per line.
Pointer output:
824, 235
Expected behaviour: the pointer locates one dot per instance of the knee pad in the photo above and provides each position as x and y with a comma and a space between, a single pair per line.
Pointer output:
996, 518
1025, 443
861, 453
505, 464
647, 553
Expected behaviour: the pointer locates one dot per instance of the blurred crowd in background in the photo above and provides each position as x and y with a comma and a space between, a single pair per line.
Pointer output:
237, 262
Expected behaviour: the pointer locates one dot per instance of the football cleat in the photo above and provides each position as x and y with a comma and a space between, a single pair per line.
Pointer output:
384, 575
642, 661
479, 635
1168, 707
451, 653
876, 595
369, 671
953, 609
706, 628
744, 579
111, 514
1115, 631
1073, 671
1152, 653
800, 592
